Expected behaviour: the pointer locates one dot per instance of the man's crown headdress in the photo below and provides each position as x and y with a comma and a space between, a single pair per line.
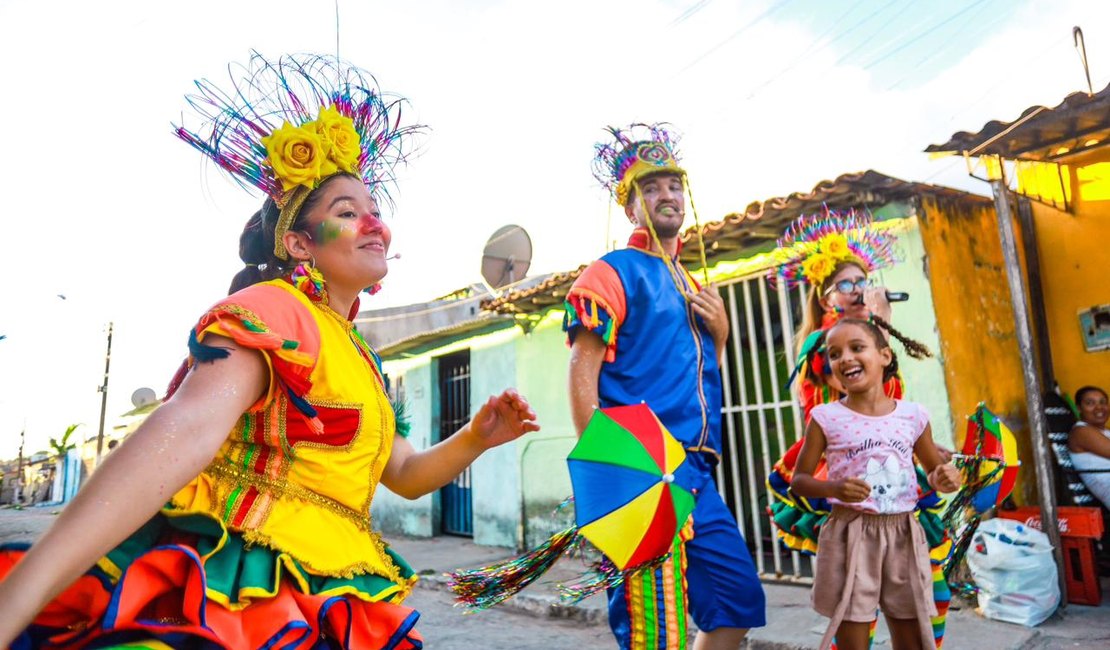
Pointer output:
285, 126
633, 153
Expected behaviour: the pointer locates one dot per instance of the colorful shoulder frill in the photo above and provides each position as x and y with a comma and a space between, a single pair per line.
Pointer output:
596, 302
271, 319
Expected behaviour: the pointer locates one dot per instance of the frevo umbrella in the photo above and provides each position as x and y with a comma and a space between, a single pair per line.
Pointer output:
633, 490
990, 460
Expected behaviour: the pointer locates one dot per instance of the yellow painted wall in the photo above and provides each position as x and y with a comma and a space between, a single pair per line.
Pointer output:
975, 319
1075, 269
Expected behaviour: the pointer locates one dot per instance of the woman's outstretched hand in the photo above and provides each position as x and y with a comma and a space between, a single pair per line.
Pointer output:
502, 419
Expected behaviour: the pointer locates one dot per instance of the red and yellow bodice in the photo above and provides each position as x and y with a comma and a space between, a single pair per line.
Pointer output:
300, 468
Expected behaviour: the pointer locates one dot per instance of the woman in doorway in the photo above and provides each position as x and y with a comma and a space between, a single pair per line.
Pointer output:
1089, 442
835, 255
191, 536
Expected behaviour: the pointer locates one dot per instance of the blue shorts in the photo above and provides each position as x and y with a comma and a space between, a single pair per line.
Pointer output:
722, 586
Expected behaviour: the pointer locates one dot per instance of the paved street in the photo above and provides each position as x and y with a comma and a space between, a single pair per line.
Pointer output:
531, 620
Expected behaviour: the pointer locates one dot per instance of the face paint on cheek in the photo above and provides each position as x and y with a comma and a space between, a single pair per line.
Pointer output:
329, 231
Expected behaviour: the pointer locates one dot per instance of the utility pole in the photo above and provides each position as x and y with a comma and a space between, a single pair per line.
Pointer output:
19, 477
104, 396
1034, 402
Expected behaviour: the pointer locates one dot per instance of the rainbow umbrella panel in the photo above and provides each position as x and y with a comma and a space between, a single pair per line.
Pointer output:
633, 491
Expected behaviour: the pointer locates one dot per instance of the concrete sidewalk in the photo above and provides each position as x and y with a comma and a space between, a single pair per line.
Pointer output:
791, 623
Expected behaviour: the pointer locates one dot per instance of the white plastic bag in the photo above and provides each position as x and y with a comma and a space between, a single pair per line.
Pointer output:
1013, 566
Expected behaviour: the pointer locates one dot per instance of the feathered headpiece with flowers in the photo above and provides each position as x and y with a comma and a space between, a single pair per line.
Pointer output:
285, 126
814, 245
633, 153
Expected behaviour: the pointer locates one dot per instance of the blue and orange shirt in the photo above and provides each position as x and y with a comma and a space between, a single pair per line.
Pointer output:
658, 351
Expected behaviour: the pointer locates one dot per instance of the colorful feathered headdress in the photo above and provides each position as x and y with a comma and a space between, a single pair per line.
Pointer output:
285, 126
633, 153
812, 247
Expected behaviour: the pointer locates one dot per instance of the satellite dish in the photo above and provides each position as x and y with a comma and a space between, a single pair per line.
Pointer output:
143, 397
506, 257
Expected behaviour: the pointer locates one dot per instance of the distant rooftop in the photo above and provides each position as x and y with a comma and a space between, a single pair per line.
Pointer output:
1079, 123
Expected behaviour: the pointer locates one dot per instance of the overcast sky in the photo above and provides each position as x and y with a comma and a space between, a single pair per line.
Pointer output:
104, 206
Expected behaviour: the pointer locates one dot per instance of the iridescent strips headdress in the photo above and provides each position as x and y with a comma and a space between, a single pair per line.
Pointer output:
813, 246
285, 126
635, 152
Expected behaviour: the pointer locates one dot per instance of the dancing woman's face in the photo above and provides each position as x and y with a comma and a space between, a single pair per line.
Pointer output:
347, 237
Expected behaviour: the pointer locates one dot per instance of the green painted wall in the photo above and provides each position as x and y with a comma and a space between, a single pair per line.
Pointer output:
542, 366
495, 476
916, 318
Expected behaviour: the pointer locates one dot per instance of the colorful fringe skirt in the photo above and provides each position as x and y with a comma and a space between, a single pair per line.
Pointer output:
183, 581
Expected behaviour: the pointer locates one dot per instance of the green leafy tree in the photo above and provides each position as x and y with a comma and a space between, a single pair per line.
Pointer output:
60, 448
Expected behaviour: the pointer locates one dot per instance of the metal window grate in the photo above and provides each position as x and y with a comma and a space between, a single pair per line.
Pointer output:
760, 417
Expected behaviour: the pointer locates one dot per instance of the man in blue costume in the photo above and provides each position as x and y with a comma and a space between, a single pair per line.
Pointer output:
641, 329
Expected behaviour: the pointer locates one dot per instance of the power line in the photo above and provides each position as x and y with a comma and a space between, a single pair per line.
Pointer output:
775, 77
923, 34
948, 45
749, 25
867, 41
690, 11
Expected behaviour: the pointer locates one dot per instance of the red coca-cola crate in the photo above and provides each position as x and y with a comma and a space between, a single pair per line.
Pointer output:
1079, 528
1073, 521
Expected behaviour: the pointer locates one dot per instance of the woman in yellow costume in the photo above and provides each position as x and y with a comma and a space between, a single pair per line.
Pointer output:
238, 515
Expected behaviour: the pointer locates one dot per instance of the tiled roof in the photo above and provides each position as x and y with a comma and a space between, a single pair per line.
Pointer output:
764, 221
537, 298
760, 222
1077, 124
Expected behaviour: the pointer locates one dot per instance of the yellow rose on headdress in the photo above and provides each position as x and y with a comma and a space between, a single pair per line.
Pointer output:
817, 267
835, 245
298, 156
339, 131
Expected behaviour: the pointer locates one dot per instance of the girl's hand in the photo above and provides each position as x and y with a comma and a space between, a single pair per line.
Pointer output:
945, 478
851, 490
502, 419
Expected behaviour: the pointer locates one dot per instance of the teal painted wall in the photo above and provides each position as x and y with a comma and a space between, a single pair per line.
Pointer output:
390, 513
495, 476
542, 366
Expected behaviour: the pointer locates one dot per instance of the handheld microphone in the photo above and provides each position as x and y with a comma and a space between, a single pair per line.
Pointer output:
891, 296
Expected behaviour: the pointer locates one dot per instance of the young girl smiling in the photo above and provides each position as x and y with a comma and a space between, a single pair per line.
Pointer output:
873, 550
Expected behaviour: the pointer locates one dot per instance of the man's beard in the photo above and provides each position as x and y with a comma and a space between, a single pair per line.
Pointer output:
668, 230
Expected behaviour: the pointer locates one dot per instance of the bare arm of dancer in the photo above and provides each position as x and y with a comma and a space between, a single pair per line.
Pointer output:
849, 490
168, 450
501, 419
942, 476
586, 356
